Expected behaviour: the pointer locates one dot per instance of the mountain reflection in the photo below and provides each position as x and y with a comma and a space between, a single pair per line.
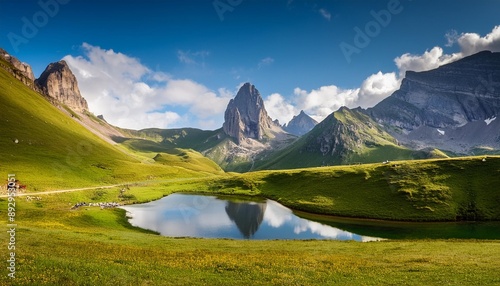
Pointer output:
247, 216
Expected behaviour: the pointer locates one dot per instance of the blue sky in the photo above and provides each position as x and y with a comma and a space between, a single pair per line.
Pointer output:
177, 63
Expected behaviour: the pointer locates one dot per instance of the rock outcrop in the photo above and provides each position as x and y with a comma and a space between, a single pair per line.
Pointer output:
246, 116
22, 71
58, 82
300, 124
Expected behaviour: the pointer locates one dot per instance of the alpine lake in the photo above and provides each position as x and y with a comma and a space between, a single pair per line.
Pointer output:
202, 216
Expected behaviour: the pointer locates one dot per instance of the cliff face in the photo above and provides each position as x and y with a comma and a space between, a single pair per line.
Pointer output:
452, 108
58, 82
246, 116
449, 96
22, 71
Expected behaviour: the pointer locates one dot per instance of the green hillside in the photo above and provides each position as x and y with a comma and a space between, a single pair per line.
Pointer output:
345, 137
187, 138
421, 190
213, 144
47, 149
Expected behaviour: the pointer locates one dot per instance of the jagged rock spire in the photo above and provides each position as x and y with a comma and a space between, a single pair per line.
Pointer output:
246, 116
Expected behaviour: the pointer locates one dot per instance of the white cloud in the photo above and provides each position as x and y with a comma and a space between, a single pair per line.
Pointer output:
278, 108
320, 103
471, 43
130, 95
376, 88
326, 14
429, 60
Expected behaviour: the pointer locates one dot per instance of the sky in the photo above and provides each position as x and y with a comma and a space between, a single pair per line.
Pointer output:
174, 64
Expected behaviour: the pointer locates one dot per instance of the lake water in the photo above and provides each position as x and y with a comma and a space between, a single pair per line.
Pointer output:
183, 215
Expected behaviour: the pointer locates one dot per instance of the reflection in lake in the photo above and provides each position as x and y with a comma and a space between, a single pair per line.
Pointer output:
246, 216
181, 215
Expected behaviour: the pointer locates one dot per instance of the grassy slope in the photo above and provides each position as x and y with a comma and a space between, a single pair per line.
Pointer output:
54, 151
213, 144
425, 190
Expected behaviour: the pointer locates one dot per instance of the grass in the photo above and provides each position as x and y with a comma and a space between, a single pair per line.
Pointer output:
424, 190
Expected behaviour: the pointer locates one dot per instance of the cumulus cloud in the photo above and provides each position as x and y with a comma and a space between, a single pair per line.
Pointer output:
319, 103
130, 95
469, 43
278, 108
429, 60
376, 88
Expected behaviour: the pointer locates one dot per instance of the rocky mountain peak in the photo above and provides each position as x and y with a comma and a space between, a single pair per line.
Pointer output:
300, 124
246, 116
58, 82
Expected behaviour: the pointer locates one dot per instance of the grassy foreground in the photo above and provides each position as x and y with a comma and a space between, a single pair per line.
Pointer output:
90, 246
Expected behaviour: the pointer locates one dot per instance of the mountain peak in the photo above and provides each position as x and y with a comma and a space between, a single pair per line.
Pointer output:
300, 124
246, 116
59, 82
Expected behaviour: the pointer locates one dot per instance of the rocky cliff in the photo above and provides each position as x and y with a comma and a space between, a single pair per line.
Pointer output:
246, 116
443, 108
58, 82
449, 96
300, 124
22, 71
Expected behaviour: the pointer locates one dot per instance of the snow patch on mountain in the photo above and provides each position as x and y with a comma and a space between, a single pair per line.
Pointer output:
489, 120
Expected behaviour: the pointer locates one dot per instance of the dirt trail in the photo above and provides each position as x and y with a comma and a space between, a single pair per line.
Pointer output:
63, 191
100, 187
